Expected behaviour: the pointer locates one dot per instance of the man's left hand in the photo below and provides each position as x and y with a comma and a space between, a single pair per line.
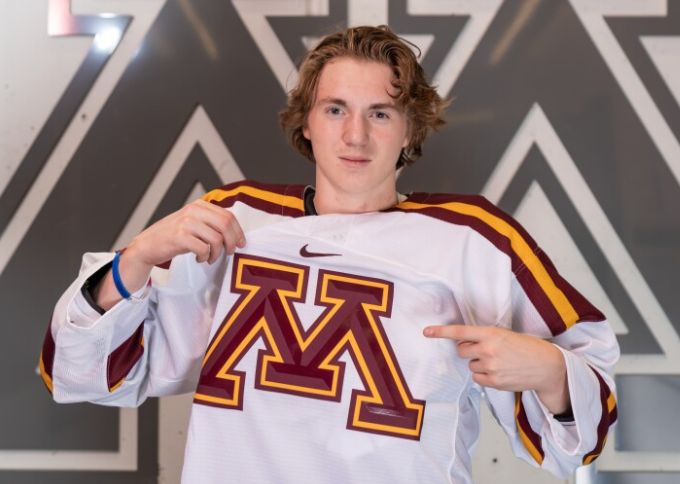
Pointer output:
505, 360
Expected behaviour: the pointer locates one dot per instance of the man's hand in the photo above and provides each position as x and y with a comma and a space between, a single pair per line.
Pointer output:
200, 228
505, 360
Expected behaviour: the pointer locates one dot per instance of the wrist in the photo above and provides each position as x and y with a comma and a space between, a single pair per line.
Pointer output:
133, 272
135, 256
554, 392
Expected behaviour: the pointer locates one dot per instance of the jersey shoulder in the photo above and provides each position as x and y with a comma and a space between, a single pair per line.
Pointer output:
560, 305
474, 212
277, 199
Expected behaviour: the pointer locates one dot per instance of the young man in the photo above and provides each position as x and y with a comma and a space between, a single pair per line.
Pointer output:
374, 315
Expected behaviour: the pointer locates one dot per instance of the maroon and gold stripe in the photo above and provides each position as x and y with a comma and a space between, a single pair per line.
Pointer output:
530, 439
124, 358
287, 200
558, 303
47, 359
609, 416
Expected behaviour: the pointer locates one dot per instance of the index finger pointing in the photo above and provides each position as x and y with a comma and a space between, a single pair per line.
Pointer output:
458, 332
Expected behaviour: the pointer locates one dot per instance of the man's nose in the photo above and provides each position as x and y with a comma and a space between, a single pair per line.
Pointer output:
356, 131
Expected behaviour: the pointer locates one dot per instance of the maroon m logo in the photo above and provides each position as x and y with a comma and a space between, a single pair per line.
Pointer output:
306, 363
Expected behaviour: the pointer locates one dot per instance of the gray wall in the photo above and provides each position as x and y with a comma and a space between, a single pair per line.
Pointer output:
567, 115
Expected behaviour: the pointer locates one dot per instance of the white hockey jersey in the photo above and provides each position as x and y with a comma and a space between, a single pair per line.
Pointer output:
305, 349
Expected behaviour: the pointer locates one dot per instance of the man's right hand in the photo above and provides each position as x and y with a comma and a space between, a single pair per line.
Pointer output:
201, 228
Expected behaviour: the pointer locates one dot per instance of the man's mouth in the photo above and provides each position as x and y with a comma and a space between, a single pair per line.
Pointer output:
358, 160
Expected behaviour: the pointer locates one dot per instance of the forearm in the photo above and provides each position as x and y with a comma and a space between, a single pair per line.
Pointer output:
553, 390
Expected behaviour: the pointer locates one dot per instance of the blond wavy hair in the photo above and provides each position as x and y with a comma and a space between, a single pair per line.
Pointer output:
414, 94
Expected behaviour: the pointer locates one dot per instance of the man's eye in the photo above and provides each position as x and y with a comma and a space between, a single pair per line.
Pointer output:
334, 110
381, 115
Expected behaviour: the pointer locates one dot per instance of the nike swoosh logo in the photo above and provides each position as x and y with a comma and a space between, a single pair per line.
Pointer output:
305, 253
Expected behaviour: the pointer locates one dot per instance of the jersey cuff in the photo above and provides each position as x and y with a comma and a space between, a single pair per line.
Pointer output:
563, 428
91, 283
565, 417
82, 311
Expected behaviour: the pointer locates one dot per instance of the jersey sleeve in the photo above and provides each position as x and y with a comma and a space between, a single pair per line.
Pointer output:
501, 277
543, 304
153, 346
137, 349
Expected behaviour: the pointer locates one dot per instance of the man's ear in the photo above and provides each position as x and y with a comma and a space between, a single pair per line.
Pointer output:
407, 138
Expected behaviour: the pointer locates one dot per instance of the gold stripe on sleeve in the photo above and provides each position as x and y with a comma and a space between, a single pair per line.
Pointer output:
611, 402
276, 198
46, 378
520, 247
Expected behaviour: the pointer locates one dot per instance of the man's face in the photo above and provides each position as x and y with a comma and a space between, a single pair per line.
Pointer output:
356, 129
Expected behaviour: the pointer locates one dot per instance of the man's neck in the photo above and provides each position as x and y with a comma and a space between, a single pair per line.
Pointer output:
329, 201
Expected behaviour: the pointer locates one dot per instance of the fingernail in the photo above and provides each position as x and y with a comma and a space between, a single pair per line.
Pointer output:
427, 331
242, 242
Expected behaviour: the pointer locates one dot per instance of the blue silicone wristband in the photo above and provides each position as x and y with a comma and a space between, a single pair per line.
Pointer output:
116, 278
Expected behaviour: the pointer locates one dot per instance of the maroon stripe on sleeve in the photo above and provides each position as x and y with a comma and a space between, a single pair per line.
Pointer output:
606, 419
290, 212
586, 311
277, 188
123, 358
478, 201
259, 204
295, 191
47, 358
526, 279
535, 447
501, 242
540, 300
